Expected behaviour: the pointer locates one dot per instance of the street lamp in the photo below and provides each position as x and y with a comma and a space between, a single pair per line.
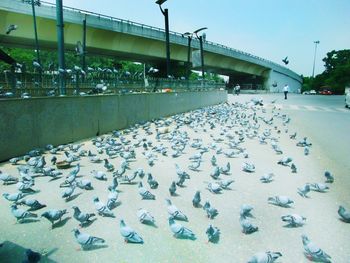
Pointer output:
60, 43
189, 36
313, 68
35, 3
200, 38
167, 44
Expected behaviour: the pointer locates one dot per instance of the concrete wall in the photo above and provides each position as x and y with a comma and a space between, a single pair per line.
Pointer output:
29, 123
276, 81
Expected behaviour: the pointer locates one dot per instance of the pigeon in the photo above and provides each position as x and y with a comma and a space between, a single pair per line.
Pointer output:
245, 211
214, 188
114, 184
151, 181
102, 209
99, 175
145, 216
21, 214
84, 184
306, 150
11, 28
15, 160
293, 168
129, 234
285, 60
329, 177
247, 226
304, 191
285, 161
180, 231
313, 252
75, 171
248, 167
174, 212
145, 194
213, 160
293, 220
67, 193
265, 257
344, 214
25, 187
13, 197
226, 169
53, 215
85, 240
32, 203
267, 178
109, 167
211, 211
195, 165
172, 189
213, 233
83, 218
7, 179
319, 187
196, 199
112, 199
281, 200
215, 173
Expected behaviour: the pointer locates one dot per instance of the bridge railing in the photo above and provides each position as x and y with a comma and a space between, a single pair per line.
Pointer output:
46, 84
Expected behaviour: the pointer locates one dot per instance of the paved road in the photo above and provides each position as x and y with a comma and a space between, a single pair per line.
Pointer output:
324, 120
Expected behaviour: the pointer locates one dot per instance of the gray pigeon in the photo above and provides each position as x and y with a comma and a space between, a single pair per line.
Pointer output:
195, 165
13, 197
293, 220
145, 194
151, 181
329, 177
213, 233
7, 179
129, 234
67, 193
21, 214
225, 183
304, 191
145, 216
99, 175
174, 212
247, 226
83, 218
293, 168
344, 214
215, 173
32, 203
248, 167
267, 178
313, 252
214, 188
112, 199
245, 211
226, 169
196, 199
84, 184
180, 231
281, 200
11, 28
109, 167
211, 211
285, 161
172, 189
102, 209
265, 257
213, 160
54, 215
85, 240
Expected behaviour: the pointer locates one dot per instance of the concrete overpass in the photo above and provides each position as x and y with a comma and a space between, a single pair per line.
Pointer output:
129, 40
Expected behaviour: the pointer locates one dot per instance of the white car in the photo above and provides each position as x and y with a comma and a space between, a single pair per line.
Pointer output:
313, 92
347, 100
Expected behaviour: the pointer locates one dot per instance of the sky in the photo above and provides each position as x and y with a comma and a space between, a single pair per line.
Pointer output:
271, 29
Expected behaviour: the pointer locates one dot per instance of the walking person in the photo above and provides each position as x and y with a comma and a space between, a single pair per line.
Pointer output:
285, 90
237, 89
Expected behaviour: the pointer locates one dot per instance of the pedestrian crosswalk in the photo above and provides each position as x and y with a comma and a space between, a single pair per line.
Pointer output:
307, 108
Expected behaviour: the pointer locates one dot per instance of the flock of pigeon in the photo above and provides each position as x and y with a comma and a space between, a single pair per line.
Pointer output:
165, 139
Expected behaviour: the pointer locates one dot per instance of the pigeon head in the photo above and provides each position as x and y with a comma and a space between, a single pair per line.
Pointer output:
341, 209
13, 206
171, 221
76, 231
168, 201
275, 255
96, 199
305, 239
122, 223
5, 195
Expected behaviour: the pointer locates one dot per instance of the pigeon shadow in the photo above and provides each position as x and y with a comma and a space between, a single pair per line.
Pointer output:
55, 178
214, 240
129, 183
72, 197
185, 237
30, 192
94, 247
291, 226
149, 223
175, 194
88, 223
343, 220
28, 220
60, 223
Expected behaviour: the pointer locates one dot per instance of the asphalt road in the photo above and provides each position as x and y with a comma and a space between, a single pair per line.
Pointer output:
324, 120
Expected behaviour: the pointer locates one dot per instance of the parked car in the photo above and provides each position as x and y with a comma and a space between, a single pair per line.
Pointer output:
313, 92
326, 92
347, 100
309, 92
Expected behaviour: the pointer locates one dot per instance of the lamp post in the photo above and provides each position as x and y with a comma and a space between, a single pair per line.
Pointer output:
37, 50
60, 42
200, 38
167, 44
313, 68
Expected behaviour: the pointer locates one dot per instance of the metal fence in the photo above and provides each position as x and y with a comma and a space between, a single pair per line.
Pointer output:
27, 85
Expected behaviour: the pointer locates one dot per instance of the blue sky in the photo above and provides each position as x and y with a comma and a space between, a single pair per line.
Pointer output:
272, 29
